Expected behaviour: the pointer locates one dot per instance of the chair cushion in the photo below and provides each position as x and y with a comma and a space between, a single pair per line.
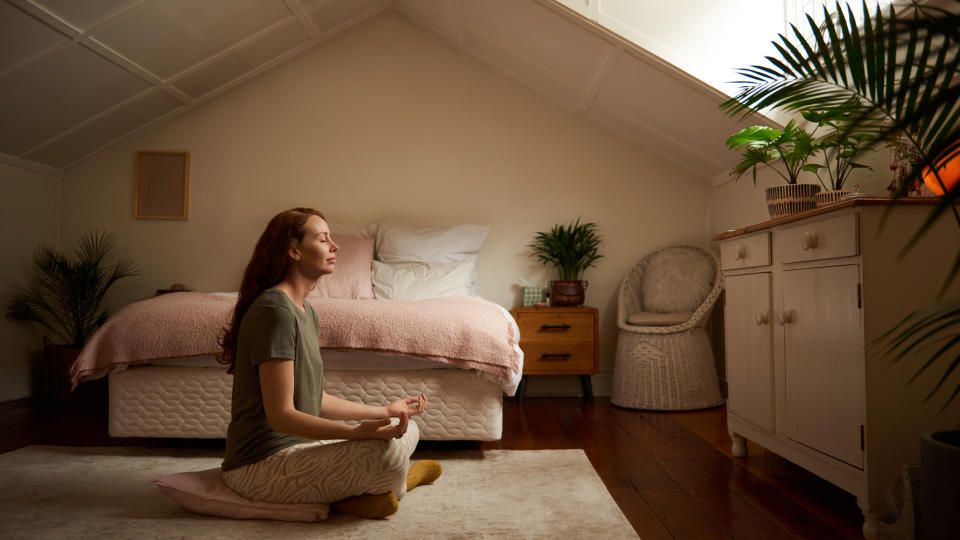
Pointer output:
649, 318
677, 279
204, 492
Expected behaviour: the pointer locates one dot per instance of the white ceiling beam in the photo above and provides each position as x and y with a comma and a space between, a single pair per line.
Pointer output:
31, 165
48, 17
603, 71
303, 18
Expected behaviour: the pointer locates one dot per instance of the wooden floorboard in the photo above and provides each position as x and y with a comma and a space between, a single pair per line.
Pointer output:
672, 474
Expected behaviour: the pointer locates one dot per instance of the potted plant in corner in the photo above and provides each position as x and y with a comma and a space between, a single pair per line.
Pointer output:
787, 153
571, 249
66, 300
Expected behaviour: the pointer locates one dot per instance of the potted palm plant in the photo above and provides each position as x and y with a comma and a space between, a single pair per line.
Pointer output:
786, 153
66, 301
840, 149
571, 249
904, 71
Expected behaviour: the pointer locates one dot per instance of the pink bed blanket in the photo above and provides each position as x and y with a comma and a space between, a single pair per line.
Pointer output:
466, 332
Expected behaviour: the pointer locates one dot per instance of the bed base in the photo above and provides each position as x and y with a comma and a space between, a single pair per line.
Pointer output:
191, 402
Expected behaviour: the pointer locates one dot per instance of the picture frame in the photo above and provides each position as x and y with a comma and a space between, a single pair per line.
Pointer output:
163, 185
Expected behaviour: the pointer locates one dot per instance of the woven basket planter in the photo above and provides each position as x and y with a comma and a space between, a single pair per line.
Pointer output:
829, 197
791, 199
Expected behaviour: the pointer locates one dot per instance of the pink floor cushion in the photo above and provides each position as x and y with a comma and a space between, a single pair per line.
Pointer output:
204, 492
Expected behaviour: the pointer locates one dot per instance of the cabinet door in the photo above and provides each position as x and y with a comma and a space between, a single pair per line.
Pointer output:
823, 360
749, 358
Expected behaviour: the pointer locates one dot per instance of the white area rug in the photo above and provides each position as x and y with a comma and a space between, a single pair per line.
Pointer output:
66, 492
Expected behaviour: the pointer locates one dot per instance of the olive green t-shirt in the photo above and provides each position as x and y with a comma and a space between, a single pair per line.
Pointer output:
273, 327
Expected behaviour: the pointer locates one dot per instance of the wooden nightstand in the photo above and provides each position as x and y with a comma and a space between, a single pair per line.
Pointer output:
559, 341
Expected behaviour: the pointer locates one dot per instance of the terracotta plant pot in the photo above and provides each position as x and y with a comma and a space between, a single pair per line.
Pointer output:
791, 199
567, 293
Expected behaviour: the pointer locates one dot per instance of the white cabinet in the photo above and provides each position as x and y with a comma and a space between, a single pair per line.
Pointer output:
804, 296
823, 360
749, 348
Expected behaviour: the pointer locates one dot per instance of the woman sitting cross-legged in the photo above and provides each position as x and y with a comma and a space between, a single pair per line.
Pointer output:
284, 443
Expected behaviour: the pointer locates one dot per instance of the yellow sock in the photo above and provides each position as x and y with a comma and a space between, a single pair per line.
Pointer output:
423, 472
368, 506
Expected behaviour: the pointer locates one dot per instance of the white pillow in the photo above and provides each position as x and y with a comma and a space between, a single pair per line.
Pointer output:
404, 243
343, 229
419, 281
401, 243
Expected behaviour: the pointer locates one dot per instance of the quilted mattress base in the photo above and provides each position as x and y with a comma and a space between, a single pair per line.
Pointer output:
187, 402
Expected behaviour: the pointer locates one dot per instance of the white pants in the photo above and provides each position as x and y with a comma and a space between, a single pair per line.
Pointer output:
326, 471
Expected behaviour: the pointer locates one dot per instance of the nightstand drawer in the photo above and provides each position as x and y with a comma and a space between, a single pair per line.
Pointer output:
554, 326
557, 358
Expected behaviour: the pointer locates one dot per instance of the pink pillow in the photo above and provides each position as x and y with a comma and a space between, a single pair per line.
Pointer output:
205, 493
353, 277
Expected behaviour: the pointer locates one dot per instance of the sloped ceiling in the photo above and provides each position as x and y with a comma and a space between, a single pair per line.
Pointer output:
78, 76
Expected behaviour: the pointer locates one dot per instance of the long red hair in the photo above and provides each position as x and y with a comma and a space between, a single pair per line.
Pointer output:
266, 268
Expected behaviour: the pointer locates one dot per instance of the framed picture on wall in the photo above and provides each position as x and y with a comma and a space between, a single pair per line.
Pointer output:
163, 185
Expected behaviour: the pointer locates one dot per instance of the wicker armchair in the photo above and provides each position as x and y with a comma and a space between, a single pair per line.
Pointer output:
664, 359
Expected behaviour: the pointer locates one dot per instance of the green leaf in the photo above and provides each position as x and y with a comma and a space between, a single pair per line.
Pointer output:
66, 296
571, 249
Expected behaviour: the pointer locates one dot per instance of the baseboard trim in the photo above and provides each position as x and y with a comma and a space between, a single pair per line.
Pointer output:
16, 404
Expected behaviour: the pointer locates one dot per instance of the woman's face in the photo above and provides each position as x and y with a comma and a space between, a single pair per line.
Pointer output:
316, 254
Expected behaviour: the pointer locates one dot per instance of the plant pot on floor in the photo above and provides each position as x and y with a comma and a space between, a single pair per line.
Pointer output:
53, 377
567, 293
790, 199
940, 485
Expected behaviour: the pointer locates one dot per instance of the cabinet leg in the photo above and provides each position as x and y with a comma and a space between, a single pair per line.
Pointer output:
871, 526
520, 388
587, 385
739, 446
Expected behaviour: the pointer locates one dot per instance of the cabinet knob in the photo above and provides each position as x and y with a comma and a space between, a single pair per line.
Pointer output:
739, 252
762, 317
809, 241
785, 317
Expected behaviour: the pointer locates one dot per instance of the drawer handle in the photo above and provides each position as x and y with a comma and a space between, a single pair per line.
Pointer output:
762, 317
555, 356
739, 252
809, 241
785, 317
554, 326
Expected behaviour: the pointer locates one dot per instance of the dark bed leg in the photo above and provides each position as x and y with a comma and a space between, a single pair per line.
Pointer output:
520, 388
587, 385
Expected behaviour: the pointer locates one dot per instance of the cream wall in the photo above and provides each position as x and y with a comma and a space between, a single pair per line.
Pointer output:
387, 121
29, 213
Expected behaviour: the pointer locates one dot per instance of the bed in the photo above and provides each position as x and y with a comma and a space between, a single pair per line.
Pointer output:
403, 322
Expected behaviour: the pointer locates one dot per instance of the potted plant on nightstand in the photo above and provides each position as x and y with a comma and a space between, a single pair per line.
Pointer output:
571, 249
66, 300
787, 153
